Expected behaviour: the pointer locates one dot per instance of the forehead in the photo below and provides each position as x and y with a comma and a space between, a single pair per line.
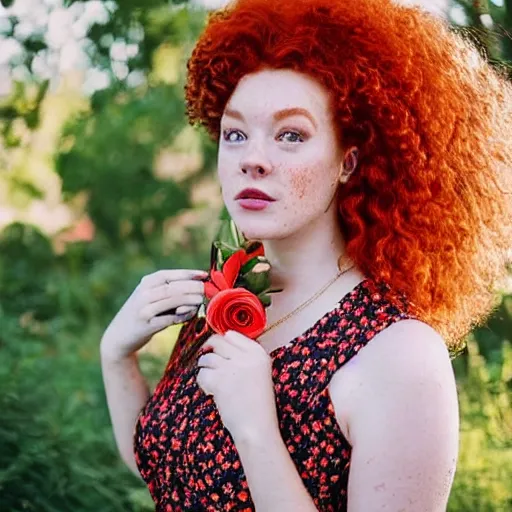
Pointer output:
267, 91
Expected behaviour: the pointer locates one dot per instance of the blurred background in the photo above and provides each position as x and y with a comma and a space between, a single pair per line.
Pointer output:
101, 182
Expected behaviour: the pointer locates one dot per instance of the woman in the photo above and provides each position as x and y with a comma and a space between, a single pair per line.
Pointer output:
383, 142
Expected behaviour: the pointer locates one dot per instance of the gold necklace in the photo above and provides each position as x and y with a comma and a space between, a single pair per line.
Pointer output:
304, 304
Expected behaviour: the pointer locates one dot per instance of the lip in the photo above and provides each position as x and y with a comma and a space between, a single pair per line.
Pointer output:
254, 204
253, 193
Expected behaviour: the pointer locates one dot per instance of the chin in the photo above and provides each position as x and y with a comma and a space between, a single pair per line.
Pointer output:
260, 230
259, 225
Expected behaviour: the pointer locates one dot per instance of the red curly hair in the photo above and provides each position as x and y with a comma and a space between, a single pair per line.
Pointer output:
429, 208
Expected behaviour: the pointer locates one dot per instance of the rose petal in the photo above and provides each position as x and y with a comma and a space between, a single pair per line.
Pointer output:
219, 280
240, 315
222, 311
210, 290
260, 251
231, 267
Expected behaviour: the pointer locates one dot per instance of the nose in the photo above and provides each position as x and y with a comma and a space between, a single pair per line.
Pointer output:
261, 171
255, 162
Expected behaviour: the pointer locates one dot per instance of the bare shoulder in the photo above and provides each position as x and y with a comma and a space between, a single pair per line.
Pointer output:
397, 402
408, 346
407, 349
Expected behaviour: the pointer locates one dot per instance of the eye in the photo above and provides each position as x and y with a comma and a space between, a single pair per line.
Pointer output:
291, 136
231, 135
295, 136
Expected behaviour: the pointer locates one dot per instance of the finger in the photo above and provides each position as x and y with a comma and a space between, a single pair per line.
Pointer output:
160, 322
238, 340
161, 276
221, 346
182, 310
203, 380
166, 291
150, 310
210, 360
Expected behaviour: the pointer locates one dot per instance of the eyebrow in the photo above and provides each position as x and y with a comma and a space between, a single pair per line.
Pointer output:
278, 116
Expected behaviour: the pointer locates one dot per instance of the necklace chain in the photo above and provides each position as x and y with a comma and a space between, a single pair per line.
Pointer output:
304, 304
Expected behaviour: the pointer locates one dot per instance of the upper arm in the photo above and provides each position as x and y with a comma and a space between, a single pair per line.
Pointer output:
404, 428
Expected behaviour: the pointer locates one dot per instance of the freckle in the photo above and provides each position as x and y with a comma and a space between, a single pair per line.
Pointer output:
300, 183
380, 487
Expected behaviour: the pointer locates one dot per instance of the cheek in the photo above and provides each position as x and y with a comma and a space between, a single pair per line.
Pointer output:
225, 161
223, 173
302, 182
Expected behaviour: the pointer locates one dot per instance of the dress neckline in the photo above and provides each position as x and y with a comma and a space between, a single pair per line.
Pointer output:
326, 315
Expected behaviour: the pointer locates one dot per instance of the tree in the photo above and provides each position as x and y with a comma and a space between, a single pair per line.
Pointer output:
489, 25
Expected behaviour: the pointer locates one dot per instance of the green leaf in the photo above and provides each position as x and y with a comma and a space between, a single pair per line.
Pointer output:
234, 233
265, 299
223, 245
34, 44
274, 290
257, 282
32, 118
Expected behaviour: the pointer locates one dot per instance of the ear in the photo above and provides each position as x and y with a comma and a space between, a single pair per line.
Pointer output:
349, 164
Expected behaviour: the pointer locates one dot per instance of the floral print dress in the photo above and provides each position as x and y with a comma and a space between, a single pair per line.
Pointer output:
188, 459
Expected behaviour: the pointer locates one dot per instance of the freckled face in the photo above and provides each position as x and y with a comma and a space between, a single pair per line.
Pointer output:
277, 135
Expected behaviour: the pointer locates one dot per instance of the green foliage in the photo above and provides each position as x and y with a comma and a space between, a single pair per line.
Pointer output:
484, 472
147, 24
56, 449
489, 26
126, 130
23, 104
26, 261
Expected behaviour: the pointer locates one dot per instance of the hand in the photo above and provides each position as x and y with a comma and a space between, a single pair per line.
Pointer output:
144, 312
238, 373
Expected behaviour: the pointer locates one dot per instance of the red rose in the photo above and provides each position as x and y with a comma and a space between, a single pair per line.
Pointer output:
236, 309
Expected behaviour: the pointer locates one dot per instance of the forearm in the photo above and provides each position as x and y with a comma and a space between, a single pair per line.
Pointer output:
273, 480
127, 392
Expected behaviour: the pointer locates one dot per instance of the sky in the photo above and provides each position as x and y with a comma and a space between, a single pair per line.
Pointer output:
65, 29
